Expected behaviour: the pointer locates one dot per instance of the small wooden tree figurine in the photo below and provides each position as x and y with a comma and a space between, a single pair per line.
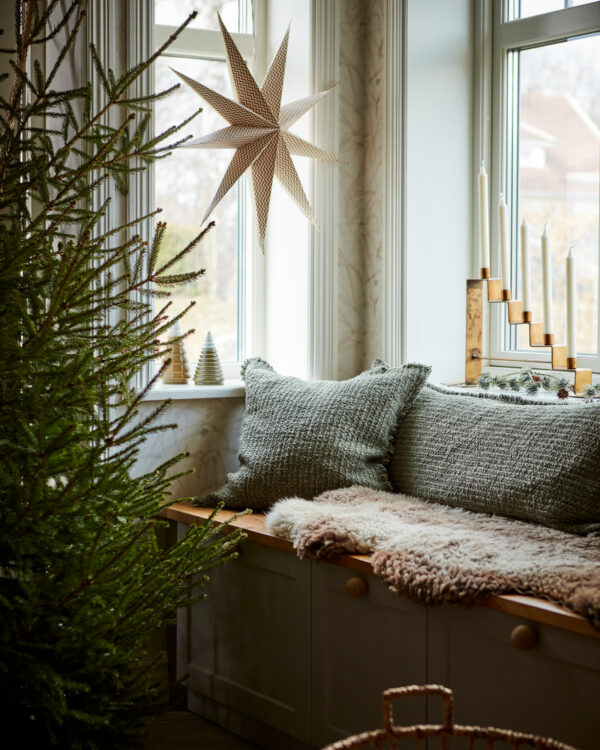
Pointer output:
177, 372
208, 370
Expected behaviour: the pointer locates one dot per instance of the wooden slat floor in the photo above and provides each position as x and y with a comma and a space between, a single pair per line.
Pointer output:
182, 730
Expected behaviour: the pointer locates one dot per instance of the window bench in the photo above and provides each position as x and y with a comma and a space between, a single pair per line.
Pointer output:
294, 654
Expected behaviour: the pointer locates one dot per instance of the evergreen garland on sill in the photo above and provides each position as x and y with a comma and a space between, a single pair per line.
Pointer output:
532, 382
84, 583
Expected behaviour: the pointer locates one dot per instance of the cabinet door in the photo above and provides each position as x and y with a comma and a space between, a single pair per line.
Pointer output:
247, 644
552, 688
360, 647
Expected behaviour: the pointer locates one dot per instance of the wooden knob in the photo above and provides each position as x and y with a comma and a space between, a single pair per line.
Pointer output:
357, 587
524, 637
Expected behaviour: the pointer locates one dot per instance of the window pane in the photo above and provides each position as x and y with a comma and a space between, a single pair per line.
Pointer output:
527, 8
185, 184
233, 12
559, 174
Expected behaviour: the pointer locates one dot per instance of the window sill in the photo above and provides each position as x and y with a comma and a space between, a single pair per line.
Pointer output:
541, 395
191, 392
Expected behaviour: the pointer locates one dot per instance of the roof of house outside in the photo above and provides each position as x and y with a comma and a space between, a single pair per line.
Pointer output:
570, 139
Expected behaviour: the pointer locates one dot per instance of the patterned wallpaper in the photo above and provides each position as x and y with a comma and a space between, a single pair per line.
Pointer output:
361, 185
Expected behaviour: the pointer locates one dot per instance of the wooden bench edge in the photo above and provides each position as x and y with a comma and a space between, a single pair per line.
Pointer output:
528, 607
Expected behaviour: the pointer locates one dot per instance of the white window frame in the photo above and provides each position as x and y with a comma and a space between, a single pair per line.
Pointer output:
321, 279
508, 36
207, 44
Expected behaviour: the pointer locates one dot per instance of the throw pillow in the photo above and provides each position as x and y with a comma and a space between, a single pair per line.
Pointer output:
304, 437
537, 461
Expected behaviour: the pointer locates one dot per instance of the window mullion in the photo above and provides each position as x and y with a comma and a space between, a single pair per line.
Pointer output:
512, 177
550, 27
140, 198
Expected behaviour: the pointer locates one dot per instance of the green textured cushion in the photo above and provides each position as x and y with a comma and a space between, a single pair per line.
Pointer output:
508, 456
302, 438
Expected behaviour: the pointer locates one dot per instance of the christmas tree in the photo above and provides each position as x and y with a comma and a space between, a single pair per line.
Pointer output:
208, 369
83, 582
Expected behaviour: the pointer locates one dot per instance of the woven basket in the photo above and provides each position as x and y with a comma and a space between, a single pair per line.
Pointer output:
388, 737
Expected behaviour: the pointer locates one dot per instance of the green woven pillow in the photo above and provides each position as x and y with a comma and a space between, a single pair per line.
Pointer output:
302, 438
537, 461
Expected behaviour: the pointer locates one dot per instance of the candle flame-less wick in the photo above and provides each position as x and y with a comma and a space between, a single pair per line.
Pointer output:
546, 228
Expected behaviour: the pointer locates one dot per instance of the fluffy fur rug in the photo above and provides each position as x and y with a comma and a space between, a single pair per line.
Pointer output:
433, 554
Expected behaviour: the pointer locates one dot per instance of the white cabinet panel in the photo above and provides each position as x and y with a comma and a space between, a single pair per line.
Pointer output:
281, 653
550, 689
247, 644
360, 647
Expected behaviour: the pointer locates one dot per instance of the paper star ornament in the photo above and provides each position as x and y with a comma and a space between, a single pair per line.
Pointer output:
258, 131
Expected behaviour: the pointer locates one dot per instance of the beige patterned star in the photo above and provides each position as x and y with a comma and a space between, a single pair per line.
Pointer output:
258, 131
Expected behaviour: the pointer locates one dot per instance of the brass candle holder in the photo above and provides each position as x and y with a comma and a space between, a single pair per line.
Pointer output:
516, 316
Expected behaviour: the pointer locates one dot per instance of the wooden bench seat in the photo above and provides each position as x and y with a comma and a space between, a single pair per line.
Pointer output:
294, 653
527, 607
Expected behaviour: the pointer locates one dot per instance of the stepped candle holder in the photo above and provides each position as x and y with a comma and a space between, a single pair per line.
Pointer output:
516, 316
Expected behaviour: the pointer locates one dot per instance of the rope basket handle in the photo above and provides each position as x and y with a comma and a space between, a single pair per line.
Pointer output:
405, 692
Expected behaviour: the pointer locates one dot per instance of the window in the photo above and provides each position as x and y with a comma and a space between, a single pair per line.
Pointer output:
186, 182
546, 159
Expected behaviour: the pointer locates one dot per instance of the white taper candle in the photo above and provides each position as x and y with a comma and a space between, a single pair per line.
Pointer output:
547, 281
484, 219
525, 267
571, 305
504, 245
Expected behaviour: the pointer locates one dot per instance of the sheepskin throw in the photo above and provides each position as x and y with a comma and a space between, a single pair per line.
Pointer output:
304, 438
537, 461
432, 554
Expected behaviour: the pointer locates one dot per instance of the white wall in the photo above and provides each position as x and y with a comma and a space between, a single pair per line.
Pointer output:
208, 429
438, 182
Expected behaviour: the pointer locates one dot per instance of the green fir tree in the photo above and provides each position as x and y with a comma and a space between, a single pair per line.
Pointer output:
84, 583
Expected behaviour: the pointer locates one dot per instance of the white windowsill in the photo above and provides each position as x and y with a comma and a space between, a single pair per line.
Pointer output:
191, 392
541, 395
